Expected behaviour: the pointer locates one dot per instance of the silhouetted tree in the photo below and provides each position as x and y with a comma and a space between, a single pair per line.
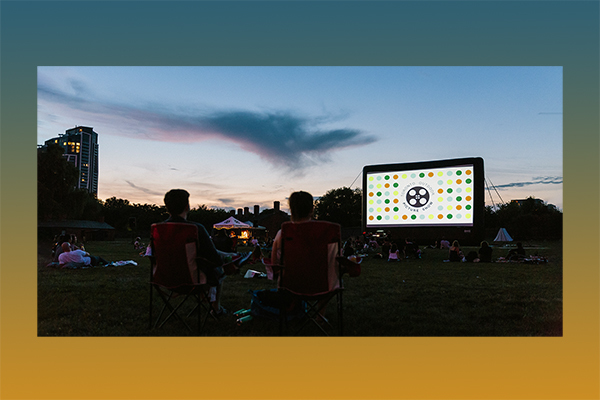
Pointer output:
58, 196
341, 205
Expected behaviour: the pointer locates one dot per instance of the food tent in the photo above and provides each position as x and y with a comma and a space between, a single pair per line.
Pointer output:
503, 236
231, 223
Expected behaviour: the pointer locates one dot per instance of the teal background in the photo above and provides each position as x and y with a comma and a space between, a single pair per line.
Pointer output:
533, 33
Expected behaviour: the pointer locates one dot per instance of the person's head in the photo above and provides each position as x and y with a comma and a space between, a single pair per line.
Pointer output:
301, 205
73, 239
65, 247
177, 201
484, 244
455, 244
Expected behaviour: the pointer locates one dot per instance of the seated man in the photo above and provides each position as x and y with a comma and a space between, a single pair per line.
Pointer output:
178, 206
78, 256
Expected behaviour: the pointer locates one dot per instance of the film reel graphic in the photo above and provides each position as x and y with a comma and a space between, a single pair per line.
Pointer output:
417, 196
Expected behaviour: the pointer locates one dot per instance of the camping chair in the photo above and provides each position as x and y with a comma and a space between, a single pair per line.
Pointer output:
310, 272
174, 273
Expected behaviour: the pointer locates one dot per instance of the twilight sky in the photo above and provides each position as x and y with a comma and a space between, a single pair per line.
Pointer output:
239, 136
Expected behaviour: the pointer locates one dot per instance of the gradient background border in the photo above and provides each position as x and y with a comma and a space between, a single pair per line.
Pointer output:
426, 33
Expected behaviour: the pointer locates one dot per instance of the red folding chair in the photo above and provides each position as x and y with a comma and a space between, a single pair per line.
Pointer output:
175, 275
310, 272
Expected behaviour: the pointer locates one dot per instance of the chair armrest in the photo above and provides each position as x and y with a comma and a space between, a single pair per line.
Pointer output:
272, 269
352, 268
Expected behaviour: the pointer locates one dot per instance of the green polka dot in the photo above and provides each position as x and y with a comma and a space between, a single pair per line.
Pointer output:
379, 217
468, 207
422, 175
458, 172
379, 194
387, 177
449, 216
396, 209
458, 198
387, 201
468, 181
396, 184
449, 190
413, 217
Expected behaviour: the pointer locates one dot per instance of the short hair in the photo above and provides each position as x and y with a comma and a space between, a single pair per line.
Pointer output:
176, 201
65, 247
455, 244
301, 204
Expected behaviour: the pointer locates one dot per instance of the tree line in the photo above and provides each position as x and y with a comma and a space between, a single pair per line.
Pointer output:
58, 198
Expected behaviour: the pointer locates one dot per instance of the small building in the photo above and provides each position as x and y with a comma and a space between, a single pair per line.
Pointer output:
271, 219
85, 230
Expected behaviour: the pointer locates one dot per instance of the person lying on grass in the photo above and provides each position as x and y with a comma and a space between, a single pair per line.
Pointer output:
78, 256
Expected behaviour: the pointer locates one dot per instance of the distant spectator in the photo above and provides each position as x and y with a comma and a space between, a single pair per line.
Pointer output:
485, 252
444, 243
393, 253
517, 254
222, 241
455, 254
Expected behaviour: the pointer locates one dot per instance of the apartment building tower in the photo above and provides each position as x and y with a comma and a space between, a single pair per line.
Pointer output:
80, 146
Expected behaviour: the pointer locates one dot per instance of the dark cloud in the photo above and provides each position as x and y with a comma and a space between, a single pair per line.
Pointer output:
145, 190
283, 138
227, 201
543, 180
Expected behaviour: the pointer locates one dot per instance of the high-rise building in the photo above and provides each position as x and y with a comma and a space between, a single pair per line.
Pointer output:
80, 146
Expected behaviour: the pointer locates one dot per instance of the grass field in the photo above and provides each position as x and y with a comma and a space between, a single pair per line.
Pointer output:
416, 297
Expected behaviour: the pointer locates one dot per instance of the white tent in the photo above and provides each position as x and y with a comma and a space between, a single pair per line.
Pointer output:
503, 236
231, 223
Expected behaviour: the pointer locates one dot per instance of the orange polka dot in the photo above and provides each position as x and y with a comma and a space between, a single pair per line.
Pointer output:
430, 174
458, 207
404, 217
396, 201
440, 216
371, 194
387, 185
468, 198
371, 217
458, 181
395, 176
440, 191
387, 209
468, 172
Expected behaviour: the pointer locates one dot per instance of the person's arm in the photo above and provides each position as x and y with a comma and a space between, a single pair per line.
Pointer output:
276, 249
206, 247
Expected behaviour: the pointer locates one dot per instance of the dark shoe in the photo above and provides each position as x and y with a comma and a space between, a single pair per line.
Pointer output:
217, 314
243, 259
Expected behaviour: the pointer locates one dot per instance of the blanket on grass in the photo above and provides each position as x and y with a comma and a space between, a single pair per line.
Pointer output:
73, 265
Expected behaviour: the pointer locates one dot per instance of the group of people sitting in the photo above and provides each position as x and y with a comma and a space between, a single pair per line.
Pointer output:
68, 253
455, 254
